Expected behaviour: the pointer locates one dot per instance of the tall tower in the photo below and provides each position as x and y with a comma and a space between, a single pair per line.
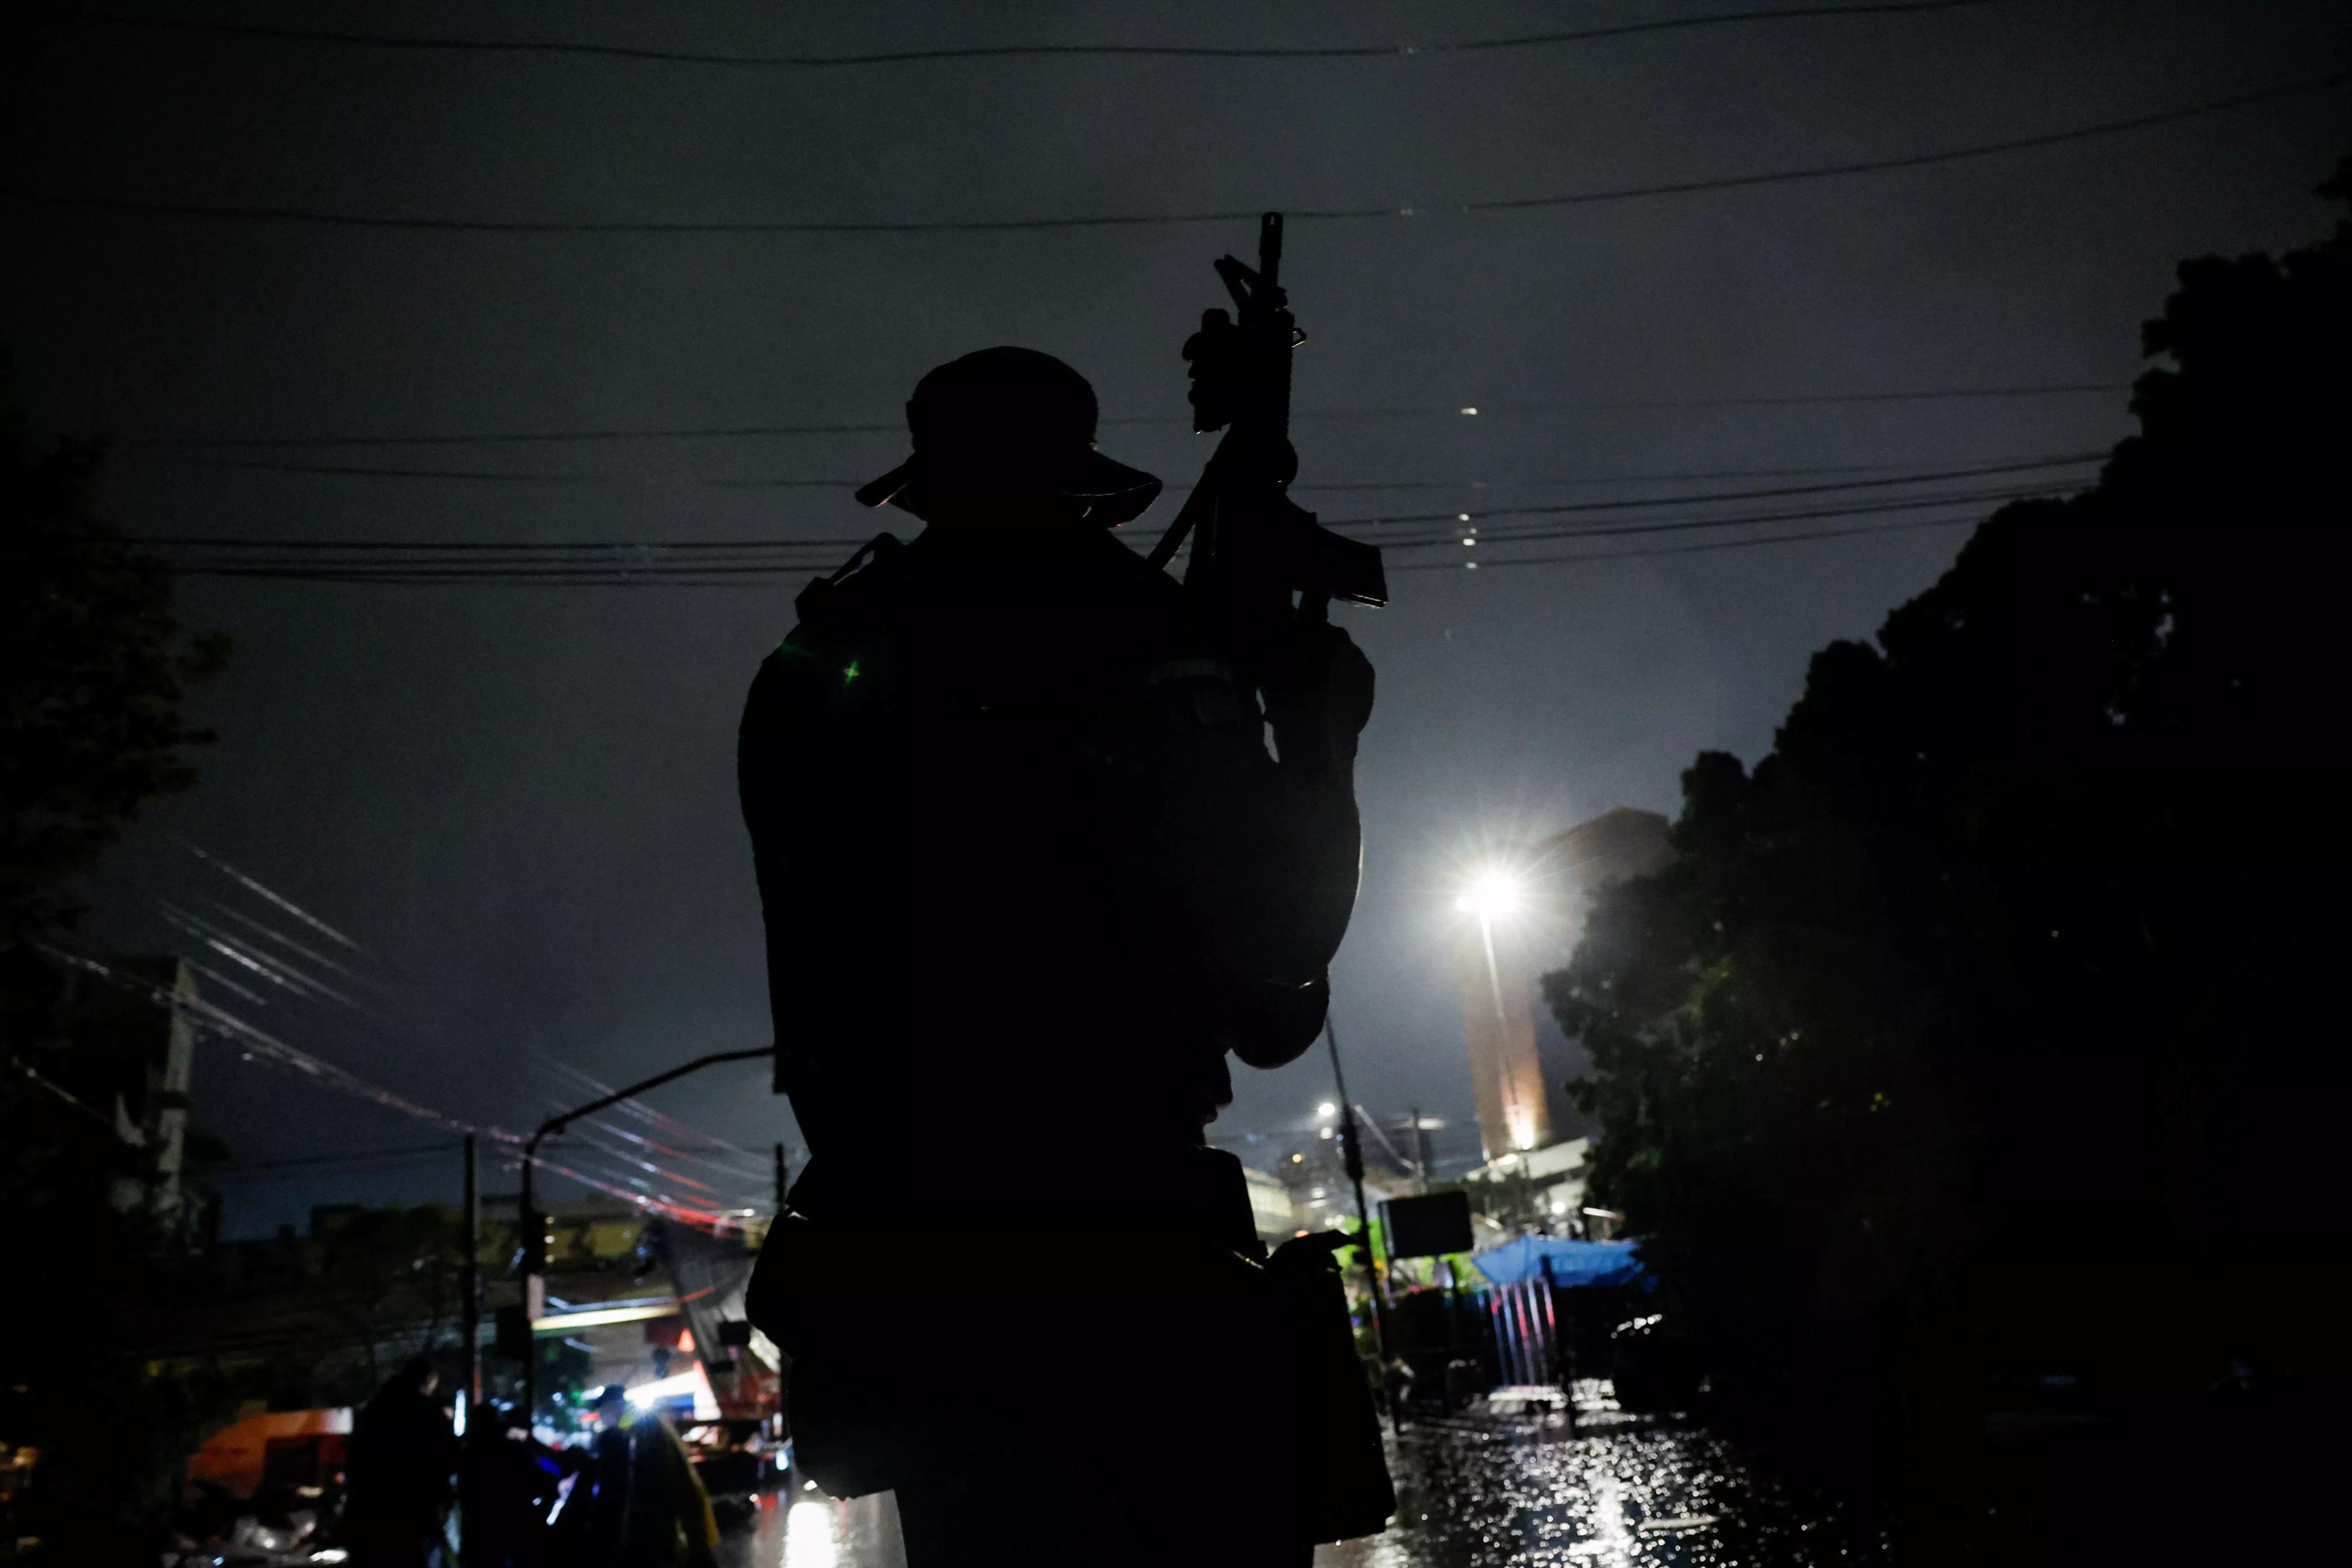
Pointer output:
1522, 916
1499, 1021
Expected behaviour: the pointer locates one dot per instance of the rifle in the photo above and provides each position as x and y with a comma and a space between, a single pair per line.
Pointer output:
1252, 546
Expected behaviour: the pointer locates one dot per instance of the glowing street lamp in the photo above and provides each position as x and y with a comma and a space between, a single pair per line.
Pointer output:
1493, 894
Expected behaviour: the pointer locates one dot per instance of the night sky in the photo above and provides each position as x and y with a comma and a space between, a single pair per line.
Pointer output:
518, 800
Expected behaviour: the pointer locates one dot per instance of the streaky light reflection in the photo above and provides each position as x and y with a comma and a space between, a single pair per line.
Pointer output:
813, 1536
1613, 1488
1611, 1542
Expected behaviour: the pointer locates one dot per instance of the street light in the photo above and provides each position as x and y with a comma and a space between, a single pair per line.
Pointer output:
1493, 893
534, 1224
1327, 1111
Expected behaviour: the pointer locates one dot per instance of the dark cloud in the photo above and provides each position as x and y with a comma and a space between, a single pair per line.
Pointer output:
520, 798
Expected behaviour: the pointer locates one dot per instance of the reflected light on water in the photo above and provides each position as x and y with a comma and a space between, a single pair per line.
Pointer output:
1610, 1543
812, 1536
1612, 1489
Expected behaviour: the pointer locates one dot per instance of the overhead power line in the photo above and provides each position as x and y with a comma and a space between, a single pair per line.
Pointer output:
1367, 487
357, 1157
1701, 548
1990, 495
1294, 213
758, 564
762, 572
638, 1108
209, 1017
602, 553
500, 437
381, 471
652, 548
268, 895
646, 1159
1794, 400
655, 55
847, 482
897, 427
1624, 503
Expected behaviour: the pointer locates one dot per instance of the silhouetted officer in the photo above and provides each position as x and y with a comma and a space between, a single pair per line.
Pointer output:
402, 1461
1030, 873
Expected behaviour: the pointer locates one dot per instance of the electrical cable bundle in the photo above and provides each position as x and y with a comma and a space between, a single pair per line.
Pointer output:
654, 1161
1426, 540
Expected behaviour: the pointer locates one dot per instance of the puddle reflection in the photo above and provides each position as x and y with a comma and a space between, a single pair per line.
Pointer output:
1612, 1491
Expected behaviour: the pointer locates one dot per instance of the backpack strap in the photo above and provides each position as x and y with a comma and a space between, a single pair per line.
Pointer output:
818, 594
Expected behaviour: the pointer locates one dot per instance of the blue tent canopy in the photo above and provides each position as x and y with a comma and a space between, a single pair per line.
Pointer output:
1572, 1262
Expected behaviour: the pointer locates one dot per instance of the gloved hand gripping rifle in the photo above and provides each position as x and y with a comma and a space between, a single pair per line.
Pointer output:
1252, 547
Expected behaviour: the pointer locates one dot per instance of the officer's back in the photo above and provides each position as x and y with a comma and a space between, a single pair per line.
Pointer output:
1018, 834
1030, 873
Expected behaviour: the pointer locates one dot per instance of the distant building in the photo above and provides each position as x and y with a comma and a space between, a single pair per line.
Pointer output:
1272, 1207
649, 1301
1546, 1189
130, 1057
1315, 1175
1502, 949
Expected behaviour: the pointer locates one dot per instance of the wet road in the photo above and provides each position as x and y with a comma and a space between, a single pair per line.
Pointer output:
813, 1533
1611, 1491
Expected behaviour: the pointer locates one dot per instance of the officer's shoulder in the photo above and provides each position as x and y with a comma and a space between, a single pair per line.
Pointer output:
858, 585
835, 610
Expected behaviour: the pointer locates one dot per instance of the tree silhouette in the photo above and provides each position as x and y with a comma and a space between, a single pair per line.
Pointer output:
96, 668
1998, 997
92, 672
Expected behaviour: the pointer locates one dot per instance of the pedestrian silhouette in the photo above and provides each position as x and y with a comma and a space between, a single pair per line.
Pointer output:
1030, 875
506, 1487
399, 1467
643, 1505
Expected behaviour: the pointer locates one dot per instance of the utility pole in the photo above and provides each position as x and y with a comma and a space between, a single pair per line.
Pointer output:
782, 1186
471, 1277
534, 1279
1420, 1149
534, 1225
1352, 1151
